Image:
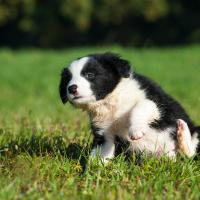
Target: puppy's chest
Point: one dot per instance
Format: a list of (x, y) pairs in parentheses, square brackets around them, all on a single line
[(113, 123)]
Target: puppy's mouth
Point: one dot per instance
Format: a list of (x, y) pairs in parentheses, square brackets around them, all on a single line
[(79, 100), (75, 98)]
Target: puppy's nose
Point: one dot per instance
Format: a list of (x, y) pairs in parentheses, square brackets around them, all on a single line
[(72, 89)]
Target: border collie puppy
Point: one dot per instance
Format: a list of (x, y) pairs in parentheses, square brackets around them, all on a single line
[(123, 104)]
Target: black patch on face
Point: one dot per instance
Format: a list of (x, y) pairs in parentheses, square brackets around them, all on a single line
[(114, 62), (104, 72), (65, 78)]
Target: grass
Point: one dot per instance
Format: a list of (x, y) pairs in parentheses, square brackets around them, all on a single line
[(44, 144)]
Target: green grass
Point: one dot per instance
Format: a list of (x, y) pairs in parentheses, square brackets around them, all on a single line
[(43, 144)]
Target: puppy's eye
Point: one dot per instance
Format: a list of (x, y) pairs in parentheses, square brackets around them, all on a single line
[(90, 75)]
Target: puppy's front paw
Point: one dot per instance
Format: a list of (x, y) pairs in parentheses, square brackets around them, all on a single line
[(136, 134), (98, 157), (95, 152)]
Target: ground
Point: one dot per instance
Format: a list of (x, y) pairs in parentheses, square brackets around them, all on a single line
[(44, 144)]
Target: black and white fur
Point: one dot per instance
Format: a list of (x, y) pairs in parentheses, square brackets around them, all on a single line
[(123, 104)]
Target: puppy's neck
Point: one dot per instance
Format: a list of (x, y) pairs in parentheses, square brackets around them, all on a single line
[(124, 97)]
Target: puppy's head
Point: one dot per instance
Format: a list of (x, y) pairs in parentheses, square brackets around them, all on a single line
[(91, 78)]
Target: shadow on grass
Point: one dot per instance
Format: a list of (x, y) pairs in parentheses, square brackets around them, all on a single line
[(41, 146), (57, 146)]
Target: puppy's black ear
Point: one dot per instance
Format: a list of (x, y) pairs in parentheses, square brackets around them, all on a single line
[(65, 78), (120, 65)]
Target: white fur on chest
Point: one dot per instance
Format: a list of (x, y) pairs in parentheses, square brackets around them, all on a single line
[(114, 111)]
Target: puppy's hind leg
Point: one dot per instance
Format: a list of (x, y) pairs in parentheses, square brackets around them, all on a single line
[(185, 140)]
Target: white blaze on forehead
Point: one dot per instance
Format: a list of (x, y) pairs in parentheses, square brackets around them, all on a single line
[(77, 66)]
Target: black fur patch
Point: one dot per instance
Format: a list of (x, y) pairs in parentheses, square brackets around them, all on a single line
[(98, 139), (108, 69), (115, 62), (169, 108)]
